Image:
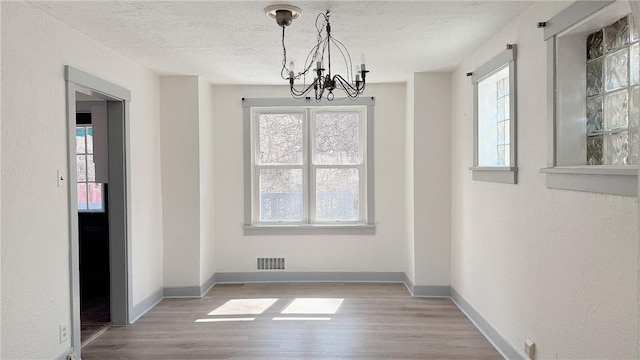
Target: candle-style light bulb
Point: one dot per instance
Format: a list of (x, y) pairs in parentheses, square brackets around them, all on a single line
[(357, 73), (291, 69), (362, 61)]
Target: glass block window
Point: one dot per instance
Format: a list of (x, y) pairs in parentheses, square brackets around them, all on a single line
[(89, 193), (494, 118), (612, 94), (309, 165)]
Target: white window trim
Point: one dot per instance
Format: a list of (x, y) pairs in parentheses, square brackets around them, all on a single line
[(502, 174), (364, 227), (606, 179)]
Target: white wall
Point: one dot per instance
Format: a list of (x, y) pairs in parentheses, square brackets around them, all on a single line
[(179, 119), (409, 213), (385, 251), (207, 199), (558, 266), (1, 252), (35, 230), (187, 180), (432, 178)]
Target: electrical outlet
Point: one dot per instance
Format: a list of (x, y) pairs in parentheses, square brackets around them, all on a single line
[(72, 356), (530, 348), (64, 332)]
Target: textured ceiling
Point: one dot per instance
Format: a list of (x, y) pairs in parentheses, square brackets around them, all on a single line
[(234, 42)]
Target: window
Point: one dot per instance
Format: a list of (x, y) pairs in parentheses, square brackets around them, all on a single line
[(494, 119), (612, 94), (592, 80), (308, 167), (89, 192)]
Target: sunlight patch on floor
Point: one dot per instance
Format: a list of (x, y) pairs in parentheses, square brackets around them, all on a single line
[(313, 306), (224, 320), (301, 318), (244, 307)]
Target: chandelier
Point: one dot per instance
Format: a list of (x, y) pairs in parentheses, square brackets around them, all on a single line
[(324, 82)]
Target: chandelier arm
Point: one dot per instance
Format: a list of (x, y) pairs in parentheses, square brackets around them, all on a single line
[(319, 92), (308, 63), (351, 91), (329, 38), (315, 50), (347, 58), (304, 91), (325, 20)]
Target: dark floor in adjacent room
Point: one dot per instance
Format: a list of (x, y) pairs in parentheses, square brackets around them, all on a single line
[(94, 315)]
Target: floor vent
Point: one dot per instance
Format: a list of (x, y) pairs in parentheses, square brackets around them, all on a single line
[(270, 263)]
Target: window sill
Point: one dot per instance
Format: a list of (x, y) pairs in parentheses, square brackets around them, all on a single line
[(501, 174), (604, 179), (319, 229)]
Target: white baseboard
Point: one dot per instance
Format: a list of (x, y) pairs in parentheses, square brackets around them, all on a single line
[(495, 338), (310, 276), (145, 305)]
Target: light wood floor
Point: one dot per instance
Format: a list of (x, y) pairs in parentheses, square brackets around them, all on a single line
[(374, 321)]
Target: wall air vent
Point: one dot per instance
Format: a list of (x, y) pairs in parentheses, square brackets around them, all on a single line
[(270, 264)]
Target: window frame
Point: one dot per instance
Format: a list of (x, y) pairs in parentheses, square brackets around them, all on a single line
[(606, 179), (255, 167), (361, 167), (86, 175), (365, 225), (501, 174)]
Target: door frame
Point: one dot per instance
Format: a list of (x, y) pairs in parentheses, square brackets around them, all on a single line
[(118, 99)]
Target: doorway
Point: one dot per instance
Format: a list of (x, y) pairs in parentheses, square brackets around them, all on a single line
[(100, 276), (93, 215)]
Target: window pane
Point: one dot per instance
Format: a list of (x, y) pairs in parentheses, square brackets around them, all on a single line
[(337, 194), (89, 140), (617, 73), (594, 45), (501, 133), (594, 115), (634, 107), (616, 112), (634, 142), (594, 78), (280, 138), (81, 167), (493, 120), (80, 144), (95, 196), (594, 150), (91, 169), (337, 138), (82, 196), (616, 35), (281, 195), (616, 148), (633, 65)]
